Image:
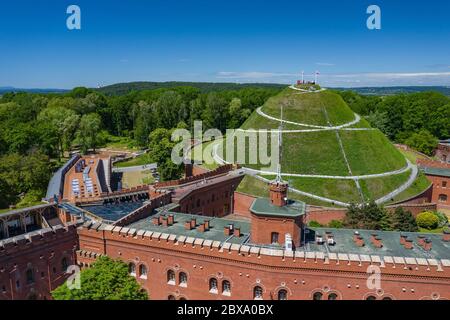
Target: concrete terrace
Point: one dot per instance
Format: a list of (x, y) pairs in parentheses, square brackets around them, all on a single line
[(391, 245), (215, 232)]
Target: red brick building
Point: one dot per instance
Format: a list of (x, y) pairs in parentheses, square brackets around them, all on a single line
[(181, 242), (439, 174), (443, 151), (272, 256)]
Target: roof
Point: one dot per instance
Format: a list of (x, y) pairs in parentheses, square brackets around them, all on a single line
[(114, 211), (25, 210), (263, 206), (215, 232), (443, 172), (56, 182), (390, 240)]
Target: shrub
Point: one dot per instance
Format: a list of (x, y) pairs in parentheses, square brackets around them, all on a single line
[(314, 224), (428, 220), (335, 224)]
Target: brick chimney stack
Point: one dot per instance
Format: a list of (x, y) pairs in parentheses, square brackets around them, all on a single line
[(278, 193), (358, 239), (170, 220), (376, 241)]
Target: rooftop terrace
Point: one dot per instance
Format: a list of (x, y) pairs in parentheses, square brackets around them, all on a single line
[(114, 211), (390, 241), (215, 231)]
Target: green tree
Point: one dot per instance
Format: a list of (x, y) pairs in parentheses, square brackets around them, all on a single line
[(65, 121), (423, 141), (403, 220), (107, 279), (90, 126), (427, 220), (161, 146), (367, 216)]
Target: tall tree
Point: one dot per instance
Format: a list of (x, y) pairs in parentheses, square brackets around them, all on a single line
[(90, 126), (107, 279)]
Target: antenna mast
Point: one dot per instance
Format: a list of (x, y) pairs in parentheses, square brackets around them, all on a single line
[(280, 142)]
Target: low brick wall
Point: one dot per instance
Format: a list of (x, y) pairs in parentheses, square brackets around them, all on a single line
[(324, 215), (414, 208)]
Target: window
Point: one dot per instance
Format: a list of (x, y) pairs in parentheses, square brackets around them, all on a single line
[(371, 298), (257, 293), (274, 237), (387, 298), (30, 276), (226, 287), (171, 277), (442, 198), (64, 265), (444, 184), (132, 269), (143, 271), (171, 297), (332, 296), (282, 294), (317, 296), (183, 279), (213, 285)]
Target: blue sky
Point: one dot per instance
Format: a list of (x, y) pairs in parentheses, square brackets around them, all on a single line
[(224, 41)]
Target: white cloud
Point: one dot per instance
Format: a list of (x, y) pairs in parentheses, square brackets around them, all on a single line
[(252, 75)]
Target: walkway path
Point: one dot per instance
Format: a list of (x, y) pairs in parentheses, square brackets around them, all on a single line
[(256, 173), (348, 124)]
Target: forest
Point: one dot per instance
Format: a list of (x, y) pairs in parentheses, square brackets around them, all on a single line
[(38, 130), (418, 120)]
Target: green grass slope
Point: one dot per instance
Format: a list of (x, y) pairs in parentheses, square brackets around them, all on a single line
[(319, 152)]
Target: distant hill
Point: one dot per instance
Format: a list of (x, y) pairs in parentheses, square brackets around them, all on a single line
[(205, 87), (384, 91), (4, 90)]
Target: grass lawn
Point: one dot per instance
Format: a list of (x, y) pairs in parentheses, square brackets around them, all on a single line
[(411, 155), (120, 143), (137, 178), (418, 186), (375, 188), (342, 190), (308, 108), (255, 187), (140, 160), (313, 153), (370, 152)]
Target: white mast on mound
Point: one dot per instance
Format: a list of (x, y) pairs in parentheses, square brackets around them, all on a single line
[(280, 141)]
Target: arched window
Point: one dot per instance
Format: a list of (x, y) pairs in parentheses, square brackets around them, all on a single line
[(143, 271), (226, 287), (182, 298), (371, 298), (442, 198), (274, 236), (171, 277), (171, 297), (132, 269), (213, 285), (387, 298), (282, 294), (183, 279), (332, 296), (317, 296), (30, 276), (64, 264), (257, 293)]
